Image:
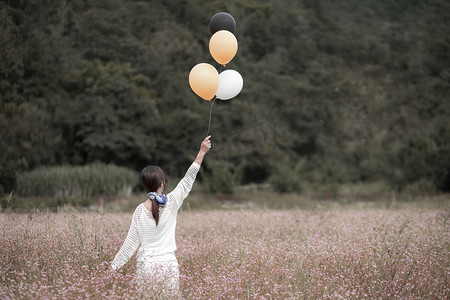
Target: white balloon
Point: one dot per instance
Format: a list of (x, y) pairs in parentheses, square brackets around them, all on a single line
[(230, 84)]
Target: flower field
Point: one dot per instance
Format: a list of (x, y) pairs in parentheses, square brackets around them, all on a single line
[(295, 254)]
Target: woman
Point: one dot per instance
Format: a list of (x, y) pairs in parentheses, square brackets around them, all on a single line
[(153, 227)]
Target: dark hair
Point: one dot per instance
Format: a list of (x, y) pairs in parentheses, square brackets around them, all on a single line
[(151, 178)]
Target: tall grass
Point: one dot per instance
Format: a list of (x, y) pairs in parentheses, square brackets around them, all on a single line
[(77, 181), (283, 254)]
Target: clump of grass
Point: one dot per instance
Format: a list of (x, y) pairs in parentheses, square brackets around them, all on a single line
[(77, 181)]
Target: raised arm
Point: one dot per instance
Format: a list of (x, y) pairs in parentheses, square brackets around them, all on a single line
[(183, 188)]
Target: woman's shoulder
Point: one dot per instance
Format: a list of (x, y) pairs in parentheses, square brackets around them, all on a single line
[(171, 200), (138, 210)]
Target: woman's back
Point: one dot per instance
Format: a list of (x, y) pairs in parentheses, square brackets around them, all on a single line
[(153, 227), (157, 242)]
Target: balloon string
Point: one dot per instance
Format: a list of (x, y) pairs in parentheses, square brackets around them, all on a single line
[(210, 113), (219, 69)]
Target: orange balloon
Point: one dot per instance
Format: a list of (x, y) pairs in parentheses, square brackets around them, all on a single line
[(204, 80), (223, 46)]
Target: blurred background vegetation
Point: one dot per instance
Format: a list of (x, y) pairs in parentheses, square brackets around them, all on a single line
[(336, 93)]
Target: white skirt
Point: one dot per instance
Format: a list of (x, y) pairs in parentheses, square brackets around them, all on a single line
[(159, 277)]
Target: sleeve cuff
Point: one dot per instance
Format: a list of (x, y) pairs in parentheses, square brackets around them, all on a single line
[(196, 165)]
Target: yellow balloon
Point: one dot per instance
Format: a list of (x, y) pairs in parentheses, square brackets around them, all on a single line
[(204, 80), (223, 46)]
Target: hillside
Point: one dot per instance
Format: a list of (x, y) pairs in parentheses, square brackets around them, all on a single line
[(347, 92)]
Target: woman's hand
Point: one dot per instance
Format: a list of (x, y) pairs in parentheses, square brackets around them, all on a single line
[(204, 148), (206, 145), (111, 272)]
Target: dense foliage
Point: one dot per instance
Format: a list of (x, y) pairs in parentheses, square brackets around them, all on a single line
[(334, 92)]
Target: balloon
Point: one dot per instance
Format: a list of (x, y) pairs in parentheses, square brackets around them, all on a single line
[(223, 46), (222, 21), (230, 85), (204, 80)]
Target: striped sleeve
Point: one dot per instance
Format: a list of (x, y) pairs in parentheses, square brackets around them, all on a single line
[(129, 246), (185, 185)]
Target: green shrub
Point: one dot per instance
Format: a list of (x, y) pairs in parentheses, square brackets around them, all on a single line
[(80, 182), (287, 178), (221, 178)]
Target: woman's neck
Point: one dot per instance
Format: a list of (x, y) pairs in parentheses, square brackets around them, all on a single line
[(148, 205)]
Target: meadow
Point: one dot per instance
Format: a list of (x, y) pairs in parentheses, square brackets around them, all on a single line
[(236, 254)]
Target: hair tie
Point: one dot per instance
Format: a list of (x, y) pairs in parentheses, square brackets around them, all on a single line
[(160, 198)]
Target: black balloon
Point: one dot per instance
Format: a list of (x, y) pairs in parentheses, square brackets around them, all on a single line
[(222, 21)]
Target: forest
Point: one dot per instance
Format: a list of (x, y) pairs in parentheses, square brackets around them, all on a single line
[(335, 92)]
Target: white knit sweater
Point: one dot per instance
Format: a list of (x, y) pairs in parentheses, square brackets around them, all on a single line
[(157, 243)]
